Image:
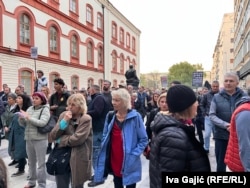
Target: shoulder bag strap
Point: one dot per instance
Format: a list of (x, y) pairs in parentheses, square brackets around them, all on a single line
[(41, 112)]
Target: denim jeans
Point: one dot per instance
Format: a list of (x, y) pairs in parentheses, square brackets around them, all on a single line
[(97, 140), (220, 152), (209, 126)]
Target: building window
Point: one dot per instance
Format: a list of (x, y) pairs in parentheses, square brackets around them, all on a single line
[(72, 5), (100, 56), (114, 31), (90, 82), (89, 14), (74, 46), (133, 44), (114, 62), (121, 36), (121, 64), (128, 40), (27, 80), (52, 77), (74, 82), (90, 52), (24, 29), (53, 39), (99, 21)]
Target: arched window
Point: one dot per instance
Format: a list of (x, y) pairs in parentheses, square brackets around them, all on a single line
[(121, 64), (100, 56), (114, 61), (90, 82), (74, 48), (114, 31), (99, 21), (25, 29), (74, 82), (100, 83), (89, 14), (53, 39), (90, 52), (52, 77), (27, 80), (73, 6)]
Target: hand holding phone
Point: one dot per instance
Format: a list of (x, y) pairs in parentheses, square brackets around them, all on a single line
[(20, 114)]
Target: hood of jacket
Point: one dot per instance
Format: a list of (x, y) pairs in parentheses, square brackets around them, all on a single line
[(245, 99), (161, 121)]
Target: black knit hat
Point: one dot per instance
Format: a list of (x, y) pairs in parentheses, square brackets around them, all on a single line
[(180, 97)]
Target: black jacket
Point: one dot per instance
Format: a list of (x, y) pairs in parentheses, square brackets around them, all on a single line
[(98, 109), (174, 148)]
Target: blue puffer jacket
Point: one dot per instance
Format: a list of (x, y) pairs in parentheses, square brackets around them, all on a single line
[(134, 142)]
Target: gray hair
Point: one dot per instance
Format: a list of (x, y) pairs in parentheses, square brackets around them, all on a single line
[(232, 74), (124, 95), (215, 82), (12, 95), (96, 88)]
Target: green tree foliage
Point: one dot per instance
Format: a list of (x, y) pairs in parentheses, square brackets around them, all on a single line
[(143, 80), (183, 72)]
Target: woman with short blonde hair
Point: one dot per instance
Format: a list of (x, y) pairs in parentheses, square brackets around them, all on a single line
[(74, 130)]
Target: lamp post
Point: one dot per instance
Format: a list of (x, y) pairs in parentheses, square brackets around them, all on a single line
[(103, 44)]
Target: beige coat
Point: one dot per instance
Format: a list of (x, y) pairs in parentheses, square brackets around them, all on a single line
[(79, 137)]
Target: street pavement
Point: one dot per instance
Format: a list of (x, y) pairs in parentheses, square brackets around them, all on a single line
[(20, 181)]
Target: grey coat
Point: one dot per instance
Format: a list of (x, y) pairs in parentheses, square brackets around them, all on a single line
[(31, 132)]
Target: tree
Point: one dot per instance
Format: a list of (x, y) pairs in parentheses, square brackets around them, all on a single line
[(183, 72)]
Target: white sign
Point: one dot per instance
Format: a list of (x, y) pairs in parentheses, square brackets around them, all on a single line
[(33, 52), (197, 79)]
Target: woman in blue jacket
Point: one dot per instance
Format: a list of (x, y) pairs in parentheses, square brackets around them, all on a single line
[(124, 139)]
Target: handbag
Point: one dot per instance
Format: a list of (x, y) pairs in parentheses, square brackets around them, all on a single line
[(58, 161), (49, 126)]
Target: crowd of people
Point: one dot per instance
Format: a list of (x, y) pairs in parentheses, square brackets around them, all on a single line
[(108, 129)]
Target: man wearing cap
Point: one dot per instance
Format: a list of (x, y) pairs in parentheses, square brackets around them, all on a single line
[(40, 81)]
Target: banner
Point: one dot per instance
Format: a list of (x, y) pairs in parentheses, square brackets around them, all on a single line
[(197, 79), (164, 81)]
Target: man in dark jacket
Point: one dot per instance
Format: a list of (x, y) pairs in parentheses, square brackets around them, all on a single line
[(205, 107), (57, 102), (107, 93), (97, 109), (221, 109)]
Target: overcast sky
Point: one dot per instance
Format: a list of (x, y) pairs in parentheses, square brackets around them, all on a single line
[(174, 31)]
